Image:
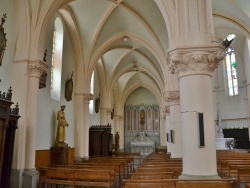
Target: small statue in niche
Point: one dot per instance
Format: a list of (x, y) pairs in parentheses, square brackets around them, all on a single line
[(97, 104), (69, 88), (45, 55), (112, 113)]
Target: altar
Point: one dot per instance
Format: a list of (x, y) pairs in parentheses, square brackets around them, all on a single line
[(143, 145)]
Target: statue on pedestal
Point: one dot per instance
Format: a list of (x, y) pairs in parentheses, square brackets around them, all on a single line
[(117, 138), (62, 123)]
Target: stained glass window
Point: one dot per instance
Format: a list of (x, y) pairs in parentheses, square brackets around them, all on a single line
[(232, 81)]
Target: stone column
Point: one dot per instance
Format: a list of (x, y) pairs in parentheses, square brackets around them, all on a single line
[(163, 127), (35, 70), (175, 124), (167, 110), (82, 125), (194, 67), (122, 131), (105, 115)]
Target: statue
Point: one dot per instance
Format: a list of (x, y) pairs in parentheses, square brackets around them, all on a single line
[(62, 123), (69, 88), (97, 104), (117, 137)]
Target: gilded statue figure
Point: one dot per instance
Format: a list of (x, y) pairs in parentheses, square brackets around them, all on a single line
[(62, 123)]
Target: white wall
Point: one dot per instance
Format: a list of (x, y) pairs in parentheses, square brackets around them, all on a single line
[(47, 107), (141, 96)]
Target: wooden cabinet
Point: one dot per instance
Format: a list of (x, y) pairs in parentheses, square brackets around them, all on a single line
[(8, 125), (100, 140)]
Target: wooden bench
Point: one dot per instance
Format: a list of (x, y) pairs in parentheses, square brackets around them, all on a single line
[(154, 183), (176, 183), (224, 164), (206, 183), (91, 177), (56, 176), (152, 175), (74, 177), (243, 175)]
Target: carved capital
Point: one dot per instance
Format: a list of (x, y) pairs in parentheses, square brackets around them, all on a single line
[(173, 97), (37, 68), (203, 59), (165, 110)]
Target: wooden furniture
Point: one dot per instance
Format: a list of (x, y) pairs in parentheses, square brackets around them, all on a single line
[(59, 155), (8, 125), (100, 140)]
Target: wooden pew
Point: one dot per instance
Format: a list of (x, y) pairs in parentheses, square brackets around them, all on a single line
[(56, 176), (177, 183), (206, 183), (154, 183), (74, 177), (243, 175), (94, 178), (152, 175), (223, 165)]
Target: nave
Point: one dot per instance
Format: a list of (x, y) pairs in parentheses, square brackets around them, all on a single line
[(157, 170)]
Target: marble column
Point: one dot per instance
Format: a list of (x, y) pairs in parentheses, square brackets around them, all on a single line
[(194, 67), (30, 174), (175, 124)]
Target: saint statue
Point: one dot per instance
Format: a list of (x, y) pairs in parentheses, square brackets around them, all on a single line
[(62, 123), (117, 138)]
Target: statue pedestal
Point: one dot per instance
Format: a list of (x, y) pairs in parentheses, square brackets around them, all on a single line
[(59, 155)]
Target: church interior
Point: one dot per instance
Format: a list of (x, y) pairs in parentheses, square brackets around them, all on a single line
[(136, 82)]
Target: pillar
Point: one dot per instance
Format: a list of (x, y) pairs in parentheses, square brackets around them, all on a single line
[(175, 124), (82, 125), (163, 127), (194, 67), (35, 70)]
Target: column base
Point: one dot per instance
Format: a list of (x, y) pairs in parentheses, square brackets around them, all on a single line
[(15, 178), (189, 176), (30, 178)]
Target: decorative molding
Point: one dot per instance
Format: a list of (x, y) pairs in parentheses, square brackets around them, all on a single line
[(203, 59), (37, 68), (173, 97), (165, 111)]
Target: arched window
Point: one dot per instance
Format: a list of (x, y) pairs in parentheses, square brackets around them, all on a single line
[(231, 72), (91, 102), (56, 64)]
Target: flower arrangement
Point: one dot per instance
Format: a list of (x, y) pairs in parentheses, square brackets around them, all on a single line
[(230, 143)]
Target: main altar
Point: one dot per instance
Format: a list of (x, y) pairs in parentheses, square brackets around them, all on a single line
[(142, 144)]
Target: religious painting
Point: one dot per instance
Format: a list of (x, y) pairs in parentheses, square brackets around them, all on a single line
[(69, 88), (2, 39)]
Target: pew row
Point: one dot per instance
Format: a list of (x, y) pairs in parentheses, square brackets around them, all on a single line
[(76, 177), (177, 183)]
